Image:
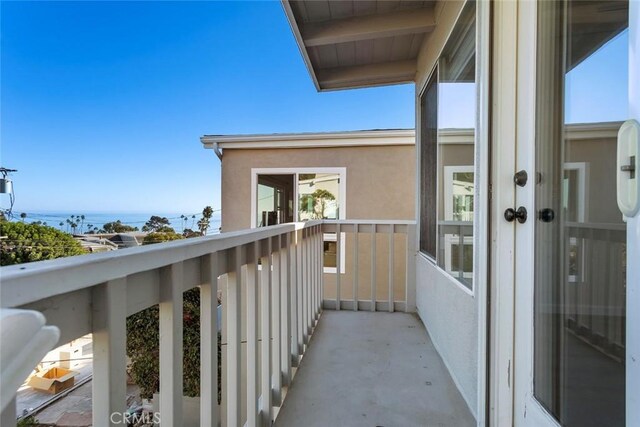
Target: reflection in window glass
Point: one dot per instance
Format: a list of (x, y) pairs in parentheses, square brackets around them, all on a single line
[(456, 134), (318, 196), (580, 251)]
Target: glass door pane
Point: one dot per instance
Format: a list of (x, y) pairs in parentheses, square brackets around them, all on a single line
[(580, 238)]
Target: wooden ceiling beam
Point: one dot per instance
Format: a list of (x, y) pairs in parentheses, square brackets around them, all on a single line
[(368, 27), (367, 75)]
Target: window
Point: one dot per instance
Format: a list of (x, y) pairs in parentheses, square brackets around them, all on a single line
[(319, 193), (447, 134), (428, 169)]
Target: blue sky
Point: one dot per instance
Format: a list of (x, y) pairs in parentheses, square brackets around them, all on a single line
[(103, 103)]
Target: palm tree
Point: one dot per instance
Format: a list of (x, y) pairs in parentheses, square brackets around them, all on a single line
[(81, 223), (61, 225), (23, 216), (193, 221)]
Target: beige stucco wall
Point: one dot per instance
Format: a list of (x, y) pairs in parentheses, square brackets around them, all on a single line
[(380, 180)]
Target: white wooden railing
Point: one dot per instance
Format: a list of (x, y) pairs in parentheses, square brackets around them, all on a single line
[(373, 229), (272, 280)]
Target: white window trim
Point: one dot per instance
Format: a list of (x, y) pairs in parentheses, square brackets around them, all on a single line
[(448, 185), (342, 200)]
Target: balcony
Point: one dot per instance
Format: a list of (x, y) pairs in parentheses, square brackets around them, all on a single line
[(334, 354)]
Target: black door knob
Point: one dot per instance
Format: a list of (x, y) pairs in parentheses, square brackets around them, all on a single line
[(520, 178), (520, 214), (546, 215)]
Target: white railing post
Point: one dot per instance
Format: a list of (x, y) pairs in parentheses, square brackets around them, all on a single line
[(171, 278), (234, 337), (338, 265), (293, 272), (253, 411), (285, 305), (410, 274), (321, 286), (276, 322), (373, 267), (265, 326), (315, 256), (355, 267), (300, 289), (109, 387), (391, 266), (305, 284), (319, 268), (209, 413)]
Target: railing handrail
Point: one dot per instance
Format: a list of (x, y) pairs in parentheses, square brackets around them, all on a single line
[(368, 222), (22, 284)]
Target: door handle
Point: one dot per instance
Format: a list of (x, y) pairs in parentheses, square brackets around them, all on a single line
[(546, 215), (521, 215), (628, 167)]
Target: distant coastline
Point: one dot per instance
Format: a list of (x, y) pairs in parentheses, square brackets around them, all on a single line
[(98, 219)]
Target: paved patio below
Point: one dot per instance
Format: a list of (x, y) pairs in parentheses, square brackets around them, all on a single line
[(372, 369)]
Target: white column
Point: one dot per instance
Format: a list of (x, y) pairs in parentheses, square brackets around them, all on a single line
[(209, 414), (355, 267), (109, 387), (171, 286)]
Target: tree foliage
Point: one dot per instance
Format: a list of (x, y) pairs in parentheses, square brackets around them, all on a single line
[(117, 227), (158, 224), (203, 223), (34, 242), (316, 203), (160, 237)]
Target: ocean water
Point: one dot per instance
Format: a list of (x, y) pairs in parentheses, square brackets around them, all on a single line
[(98, 219)]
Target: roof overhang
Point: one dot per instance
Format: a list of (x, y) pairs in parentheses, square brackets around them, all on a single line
[(354, 43), (366, 138)]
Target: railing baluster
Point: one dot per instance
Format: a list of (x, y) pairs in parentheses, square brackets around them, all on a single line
[(373, 267), (338, 265), (234, 337), (307, 286), (314, 282), (171, 287), (300, 287), (391, 266), (276, 348), (209, 414), (253, 411), (293, 271), (320, 269), (410, 271), (109, 386), (321, 273), (355, 267), (265, 326), (285, 305)]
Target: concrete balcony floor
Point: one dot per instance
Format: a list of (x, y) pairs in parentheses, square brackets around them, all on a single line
[(372, 369)]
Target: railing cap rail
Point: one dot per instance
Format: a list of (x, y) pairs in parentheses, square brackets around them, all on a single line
[(26, 283)]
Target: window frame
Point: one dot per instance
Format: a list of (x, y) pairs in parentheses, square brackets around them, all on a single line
[(342, 201)]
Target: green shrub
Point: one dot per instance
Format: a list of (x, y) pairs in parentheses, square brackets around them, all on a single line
[(22, 243), (159, 237)]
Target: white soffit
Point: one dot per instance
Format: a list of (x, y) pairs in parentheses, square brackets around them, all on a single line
[(357, 43)]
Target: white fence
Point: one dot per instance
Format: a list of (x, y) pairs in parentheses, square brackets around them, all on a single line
[(272, 279)]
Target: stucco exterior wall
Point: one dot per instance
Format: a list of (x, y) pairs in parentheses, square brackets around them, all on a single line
[(380, 180)]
